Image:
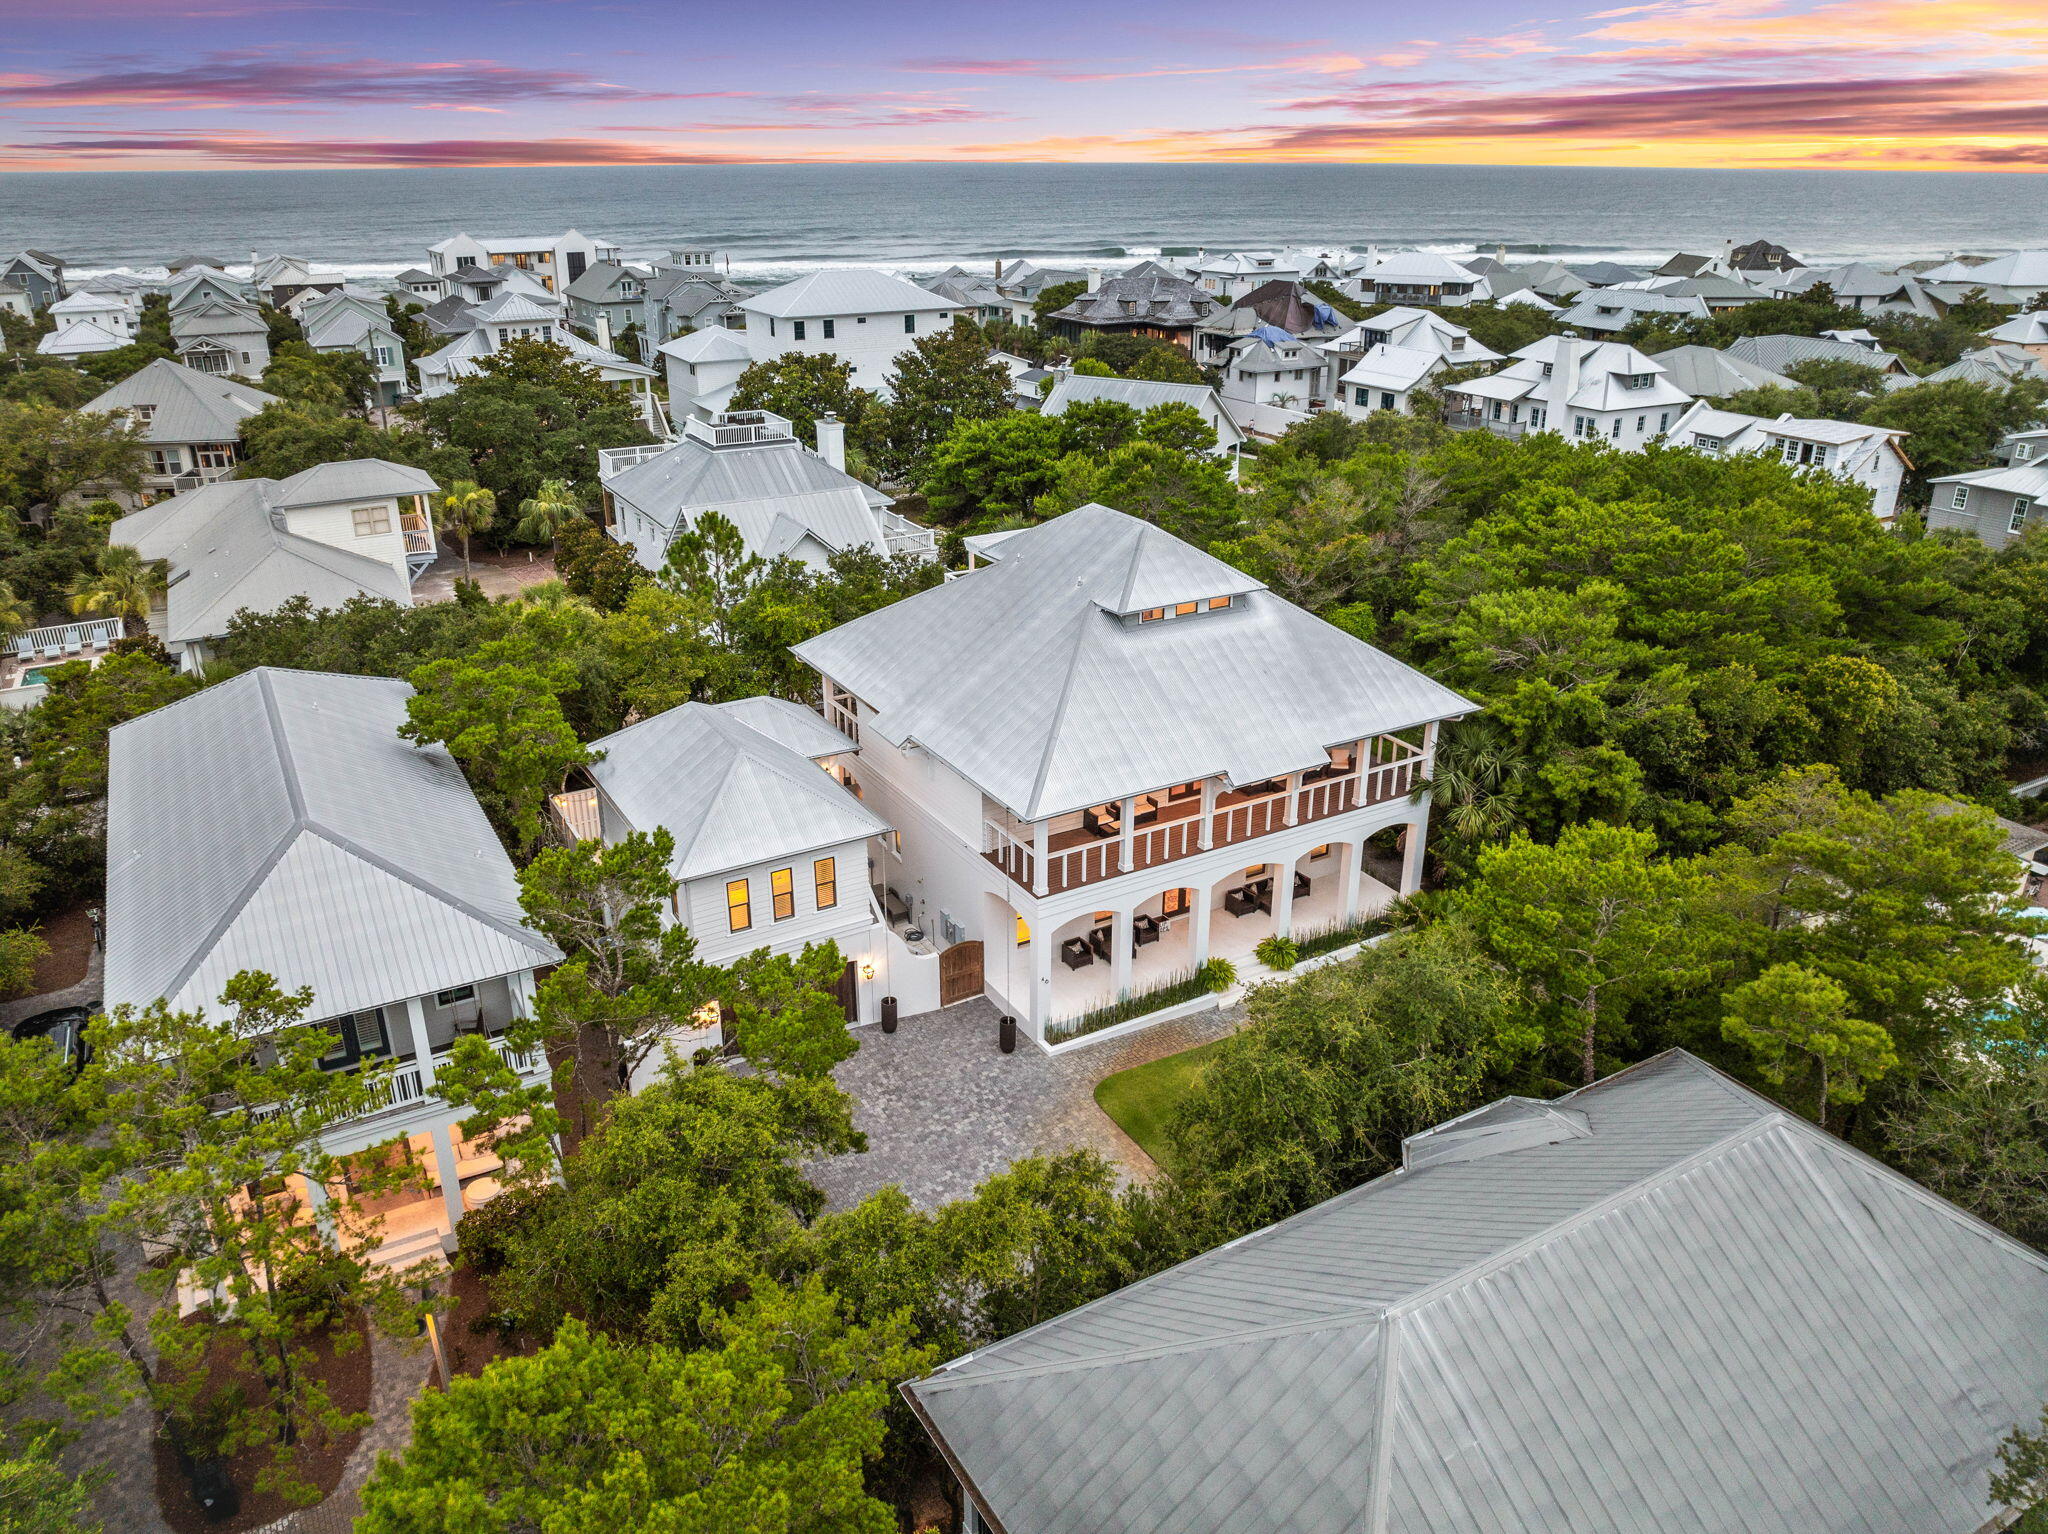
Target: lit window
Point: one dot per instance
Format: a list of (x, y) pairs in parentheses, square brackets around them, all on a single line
[(739, 908), (1152, 615), (1023, 932), (782, 887), (1173, 902), (825, 874), (1216, 602), (1182, 609), (371, 520)]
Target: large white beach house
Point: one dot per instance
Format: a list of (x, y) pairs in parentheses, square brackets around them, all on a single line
[(1109, 757), (866, 318)]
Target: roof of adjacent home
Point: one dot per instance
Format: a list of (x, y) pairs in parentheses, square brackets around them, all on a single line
[(1026, 679), (849, 290), (214, 318), (185, 405), (278, 821), (1398, 368), (692, 476), (1659, 1302), (1147, 294), (714, 343), (1141, 394), (1709, 374), (730, 792), (229, 548), (1412, 266), (1779, 352), (2023, 268)]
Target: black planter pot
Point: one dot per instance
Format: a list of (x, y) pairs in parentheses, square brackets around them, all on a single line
[(1007, 1034), (213, 1491), (888, 1014)]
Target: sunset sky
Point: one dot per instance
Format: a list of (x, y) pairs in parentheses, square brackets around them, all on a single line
[(158, 84)]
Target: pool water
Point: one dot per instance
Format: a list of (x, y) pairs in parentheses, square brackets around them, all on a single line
[(31, 677)]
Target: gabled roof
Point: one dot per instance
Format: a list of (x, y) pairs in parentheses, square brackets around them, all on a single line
[(186, 405), (1604, 274), (2029, 329), (1780, 352), (79, 338), (729, 794), (414, 274), (850, 290), (2029, 479), (672, 487), (1141, 394), (1397, 368), (714, 343), (1418, 266), (1708, 374), (213, 318), (1025, 680), (1993, 366), (2021, 269), (279, 822), (354, 479), (1657, 1303)]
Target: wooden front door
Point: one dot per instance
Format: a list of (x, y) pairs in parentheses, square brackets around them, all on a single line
[(847, 990), (959, 973)]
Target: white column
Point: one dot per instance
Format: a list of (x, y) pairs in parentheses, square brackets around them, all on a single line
[(1347, 881), (1412, 842), (1120, 951), (1283, 898), (1198, 928), (1040, 998), (1429, 749), (445, 1169), (1208, 833), (1123, 841), (1291, 811), (1041, 839), (416, 1020), (522, 989)]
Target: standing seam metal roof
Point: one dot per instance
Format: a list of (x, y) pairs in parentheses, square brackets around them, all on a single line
[(1023, 678), (278, 821), (1698, 1316), (187, 405)]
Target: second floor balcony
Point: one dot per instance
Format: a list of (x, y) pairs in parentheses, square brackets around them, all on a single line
[(1103, 842)]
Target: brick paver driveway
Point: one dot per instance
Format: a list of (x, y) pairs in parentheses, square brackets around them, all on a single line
[(943, 1108)]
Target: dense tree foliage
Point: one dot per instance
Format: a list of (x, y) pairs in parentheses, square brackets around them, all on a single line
[(800, 387)]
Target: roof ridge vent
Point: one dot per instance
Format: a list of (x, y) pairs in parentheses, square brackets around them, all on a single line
[(1512, 1124)]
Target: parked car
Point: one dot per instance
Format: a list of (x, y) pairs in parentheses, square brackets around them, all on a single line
[(64, 1027)]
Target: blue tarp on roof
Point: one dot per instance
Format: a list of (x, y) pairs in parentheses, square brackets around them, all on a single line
[(1324, 316), (1273, 335)]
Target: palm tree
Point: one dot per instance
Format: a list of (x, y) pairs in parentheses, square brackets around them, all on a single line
[(1478, 778), (15, 616), (467, 509), (124, 585), (544, 514)]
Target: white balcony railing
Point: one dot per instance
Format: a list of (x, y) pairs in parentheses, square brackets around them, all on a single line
[(66, 641), (739, 428)]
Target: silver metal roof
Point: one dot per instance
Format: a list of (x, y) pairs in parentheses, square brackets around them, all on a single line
[(801, 729), (229, 550), (731, 795), (279, 822), (1709, 374), (1022, 677), (1659, 1303), (673, 486), (848, 290), (186, 405), (354, 479)]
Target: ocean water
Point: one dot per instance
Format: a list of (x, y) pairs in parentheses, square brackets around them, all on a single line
[(773, 221)]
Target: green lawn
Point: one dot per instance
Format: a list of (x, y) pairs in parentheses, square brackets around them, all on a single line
[(1141, 1098)]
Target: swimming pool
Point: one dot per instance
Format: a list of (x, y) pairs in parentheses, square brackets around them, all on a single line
[(31, 677)]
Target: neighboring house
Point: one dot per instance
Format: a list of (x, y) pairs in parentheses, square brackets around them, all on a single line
[(280, 279), (192, 422), (1720, 293), (89, 323), (1592, 390), (1863, 288), (279, 822), (353, 321), (1706, 373), (15, 300), (212, 336), (198, 285), (1682, 265), (36, 273), (1232, 276), (703, 368), (554, 260), (1995, 504), (1760, 256), (1419, 277), (1412, 330), (1995, 367), (1141, 395), (772, 848), (977, 296), (329, 533), (1610, 311), (422, 285), (865, 318), (1109, 757), (1280, 305), (182, 264), (1777, 353), (1386, 378), (514, 316), (1271, 367), (678, 302), (1660, 1302), (749, 467), (1546, 285), (1148, 300), (2029, 446), (606, 300), (2019, 278), (1606, 274), (1870, 456), (2027, 331), (1021, 282)]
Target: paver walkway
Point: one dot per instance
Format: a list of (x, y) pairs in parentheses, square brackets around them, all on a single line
[(500, 574), (84, 994), (943, 1108)]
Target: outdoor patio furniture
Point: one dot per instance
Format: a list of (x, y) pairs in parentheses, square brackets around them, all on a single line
[(897, 907), (1099, 941), (1076, 954), (1098, 824), (1301, 886), (1144, 929), (1249, 898)]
